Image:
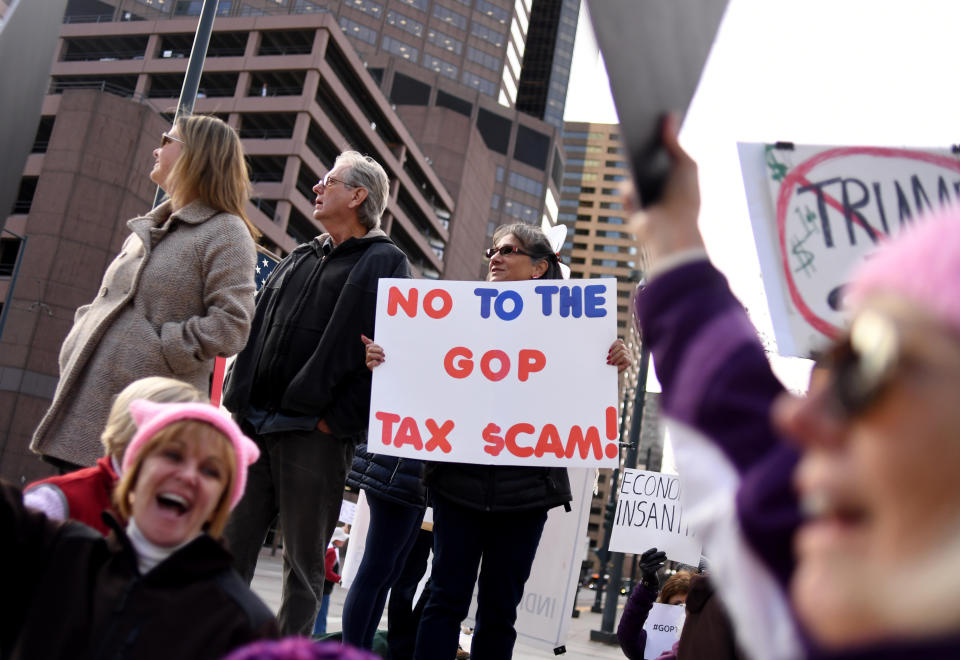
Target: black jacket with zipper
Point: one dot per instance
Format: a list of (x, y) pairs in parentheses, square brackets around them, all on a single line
[(304, 357), (499, 487)]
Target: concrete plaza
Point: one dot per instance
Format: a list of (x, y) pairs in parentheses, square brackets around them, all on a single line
[(268, 577)]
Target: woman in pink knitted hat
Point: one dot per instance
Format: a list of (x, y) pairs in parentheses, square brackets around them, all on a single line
[(161, 585)]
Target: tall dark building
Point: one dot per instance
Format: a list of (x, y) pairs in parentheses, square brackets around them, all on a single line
[(547, 59)]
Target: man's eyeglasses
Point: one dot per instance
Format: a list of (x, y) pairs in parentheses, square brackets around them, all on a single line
[(863, 364), (166, 138), (504, 250), (327, 180)]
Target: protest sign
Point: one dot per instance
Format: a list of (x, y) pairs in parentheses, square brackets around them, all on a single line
[(506, 373), (649, 514), (358, 541), (348, 510), (663, 627), (818, 212)]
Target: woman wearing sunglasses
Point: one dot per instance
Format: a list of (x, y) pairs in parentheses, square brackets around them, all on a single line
[(840, 509), (179, 294), (489, 518)]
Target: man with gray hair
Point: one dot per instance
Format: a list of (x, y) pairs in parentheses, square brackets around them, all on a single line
[(300, 387)]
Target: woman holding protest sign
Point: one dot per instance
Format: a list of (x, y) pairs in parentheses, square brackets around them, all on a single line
[(813, 505), (179, 294), (489, 518)]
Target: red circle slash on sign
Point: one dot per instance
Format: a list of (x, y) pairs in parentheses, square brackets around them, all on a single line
[(798, 176)]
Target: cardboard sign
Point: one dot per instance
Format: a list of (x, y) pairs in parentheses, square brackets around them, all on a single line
[(649, 514), (818, 212), (663, 626), (510, 373)]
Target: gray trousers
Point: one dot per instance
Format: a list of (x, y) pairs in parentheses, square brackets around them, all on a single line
[(300, 475)]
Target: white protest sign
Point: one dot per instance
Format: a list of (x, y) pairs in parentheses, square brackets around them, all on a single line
[(357, 544), (663, 627), (506, 373), (348, 510), (544, 613), (649, 514), (818, 212)]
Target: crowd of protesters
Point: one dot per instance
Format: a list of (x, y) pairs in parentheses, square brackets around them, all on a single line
[(810, 508)]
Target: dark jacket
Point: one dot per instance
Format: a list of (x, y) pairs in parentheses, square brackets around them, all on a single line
[(305, 358), (717, 380), (396, 479), (68, 592), (499, 487)]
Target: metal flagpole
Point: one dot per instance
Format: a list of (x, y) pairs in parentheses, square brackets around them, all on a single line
[(191, 81)]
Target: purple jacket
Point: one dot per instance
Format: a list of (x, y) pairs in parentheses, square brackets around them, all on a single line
[(737, 471), (630, 632)]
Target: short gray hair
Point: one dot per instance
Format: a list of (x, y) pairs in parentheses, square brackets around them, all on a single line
[(368, 174)]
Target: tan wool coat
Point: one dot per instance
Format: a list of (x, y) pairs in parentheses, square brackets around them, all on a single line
[(179, 294)]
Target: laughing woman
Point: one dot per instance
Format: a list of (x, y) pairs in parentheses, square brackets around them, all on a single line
[(161, 585), (179, 294)]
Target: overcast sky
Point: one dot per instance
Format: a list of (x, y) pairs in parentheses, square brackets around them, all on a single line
[(832, 72)]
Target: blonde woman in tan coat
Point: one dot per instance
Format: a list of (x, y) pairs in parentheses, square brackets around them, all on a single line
[(179, 294)]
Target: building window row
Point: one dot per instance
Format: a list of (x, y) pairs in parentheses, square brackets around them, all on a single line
[(441, 66), (581, 162), (419, 4), (488, 34), (525, 184), (361, 32), (582, 135), (444, 41), (193, 7), (366, 6), (498, 14), (583, 148), (521, 211), (397, 47), (405, 23), (483, 59), (480, 83), (449, 16)]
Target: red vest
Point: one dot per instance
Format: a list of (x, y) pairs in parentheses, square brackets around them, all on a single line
[(87, 493)]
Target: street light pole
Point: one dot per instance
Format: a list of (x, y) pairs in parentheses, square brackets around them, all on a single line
[(606, 634), (603, 553), (191, 81)]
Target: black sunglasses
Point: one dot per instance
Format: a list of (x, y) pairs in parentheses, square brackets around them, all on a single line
[(504, 250), (862, 365)]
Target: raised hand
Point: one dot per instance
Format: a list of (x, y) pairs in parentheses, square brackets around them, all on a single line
[(650, 563)]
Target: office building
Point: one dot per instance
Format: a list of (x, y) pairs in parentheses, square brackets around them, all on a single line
[(599, 245), (297, 94)]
